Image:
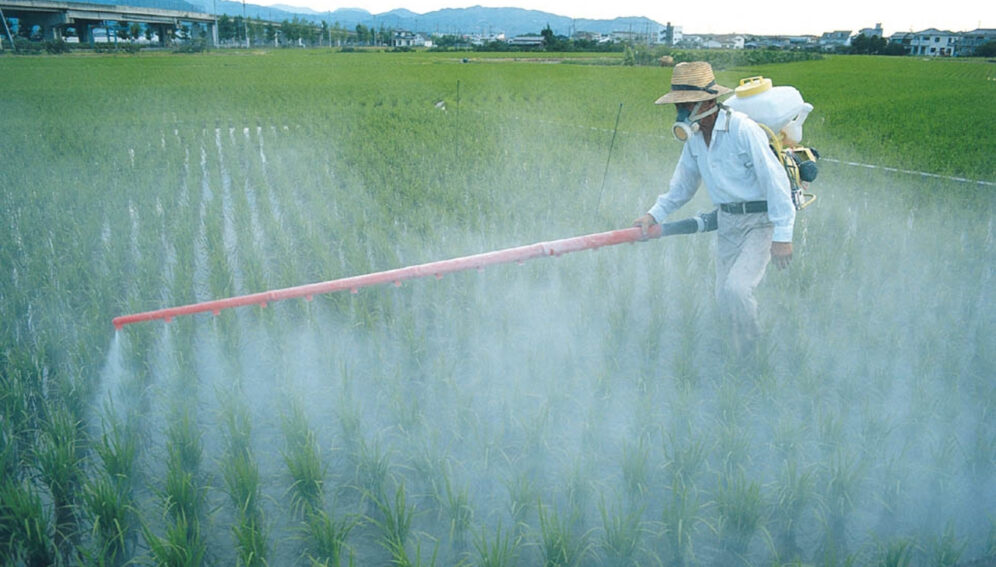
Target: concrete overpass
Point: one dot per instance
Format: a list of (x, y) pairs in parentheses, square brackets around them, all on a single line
[(54, 17)]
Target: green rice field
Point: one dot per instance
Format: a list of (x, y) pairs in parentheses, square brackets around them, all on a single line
[(573, 411)]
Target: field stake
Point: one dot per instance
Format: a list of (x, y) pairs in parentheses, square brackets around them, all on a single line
[(396, 276)]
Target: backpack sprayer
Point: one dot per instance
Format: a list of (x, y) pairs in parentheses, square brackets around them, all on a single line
[(781, 112), (776, 109)]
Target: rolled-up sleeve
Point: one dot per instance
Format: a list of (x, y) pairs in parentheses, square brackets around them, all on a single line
[(773, 181), (684, 183)]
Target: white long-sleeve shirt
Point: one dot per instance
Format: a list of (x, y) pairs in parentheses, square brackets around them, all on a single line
[(737, 166)]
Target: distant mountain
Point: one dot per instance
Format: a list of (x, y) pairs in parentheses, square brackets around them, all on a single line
[(477, 19), (510, 21), (180, 5), (295, 9)]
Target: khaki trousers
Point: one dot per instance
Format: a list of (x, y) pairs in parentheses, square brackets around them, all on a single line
[(743, 253)]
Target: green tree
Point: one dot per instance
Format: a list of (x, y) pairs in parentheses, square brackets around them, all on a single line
[(226, 28), (549, 40), (864, 45), (987, 49), (894, 49), (385, 35)]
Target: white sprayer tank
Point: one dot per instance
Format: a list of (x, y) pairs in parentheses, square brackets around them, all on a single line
[(779, 108)]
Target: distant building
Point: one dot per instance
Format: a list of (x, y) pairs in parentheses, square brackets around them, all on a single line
[(780, 42), (724, 42), (902, 38), (402, 38), (592, 36), (831, 41), (629, 37), (969, 41), (527, 41), (871, 32), (934, 43), (669, 35)]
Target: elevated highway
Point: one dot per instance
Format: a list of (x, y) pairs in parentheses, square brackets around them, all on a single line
[(53, 18)]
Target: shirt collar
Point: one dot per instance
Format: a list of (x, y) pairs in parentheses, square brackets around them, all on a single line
[(722, 125)]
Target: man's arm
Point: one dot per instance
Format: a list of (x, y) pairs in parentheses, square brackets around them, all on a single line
[(684, 183)]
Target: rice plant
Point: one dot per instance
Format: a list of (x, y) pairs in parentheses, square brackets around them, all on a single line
[(183, 499), (680, 518), (561, 544), (183, 544), (307, 471), (394, 520), (184, 449), (897, 553), (118, 450), (741, 512), (793, 494), (111, 512), (522, 492), (841, 479), (684, 459), (456, 508), (635, 469), (325, 538), (372, 468), (501, 550), (947, 549), (621, 536), (25, 526), (59, 459), (251, 540)]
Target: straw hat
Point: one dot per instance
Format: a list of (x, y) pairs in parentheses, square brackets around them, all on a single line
[(693, 82)]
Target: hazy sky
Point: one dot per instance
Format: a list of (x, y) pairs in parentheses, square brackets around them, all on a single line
[(724, 16)]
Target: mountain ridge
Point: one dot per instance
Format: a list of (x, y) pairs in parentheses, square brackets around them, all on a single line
[(473, 20)]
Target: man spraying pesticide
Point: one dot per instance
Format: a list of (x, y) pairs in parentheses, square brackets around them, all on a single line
[(732, 154), (727, 150)]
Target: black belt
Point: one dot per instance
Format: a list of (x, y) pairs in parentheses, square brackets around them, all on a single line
[(745, 207)]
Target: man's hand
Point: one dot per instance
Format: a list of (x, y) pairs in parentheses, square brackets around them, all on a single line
[(781, 254), (645, 222)]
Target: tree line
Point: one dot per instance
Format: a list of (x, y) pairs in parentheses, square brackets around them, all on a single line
[(235, 30)]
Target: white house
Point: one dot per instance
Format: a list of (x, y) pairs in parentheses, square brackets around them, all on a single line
[(934, 43), (409, 39)]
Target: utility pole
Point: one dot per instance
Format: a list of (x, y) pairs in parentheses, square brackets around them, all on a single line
[(9, 35), (245, 23)]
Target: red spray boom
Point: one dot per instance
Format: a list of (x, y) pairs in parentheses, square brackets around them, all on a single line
[(701, 223)]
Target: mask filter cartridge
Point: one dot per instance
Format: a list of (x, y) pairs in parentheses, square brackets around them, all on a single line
[(687, 122)]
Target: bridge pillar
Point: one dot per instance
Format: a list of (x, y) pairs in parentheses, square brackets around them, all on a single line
[(84, 30), (164, 33)]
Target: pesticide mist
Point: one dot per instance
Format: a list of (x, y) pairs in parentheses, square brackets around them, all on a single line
[(580, 410)]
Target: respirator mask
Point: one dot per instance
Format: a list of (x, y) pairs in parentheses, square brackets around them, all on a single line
[(687, 122)]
